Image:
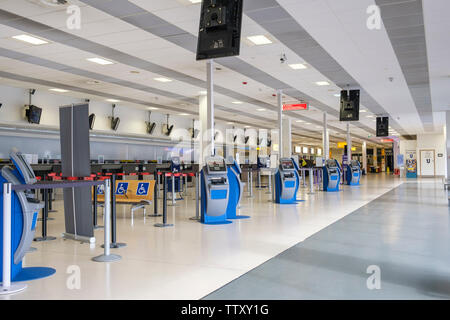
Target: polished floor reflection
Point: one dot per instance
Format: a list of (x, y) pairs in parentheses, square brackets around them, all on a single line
[(191, 260)]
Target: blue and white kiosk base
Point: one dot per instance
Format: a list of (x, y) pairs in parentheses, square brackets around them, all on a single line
[(331, 176), (287, 182), (236, 190), (353, 173), (215, 191), (23, 217)]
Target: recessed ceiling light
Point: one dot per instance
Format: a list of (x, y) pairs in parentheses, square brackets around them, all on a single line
[(59, 90), (183, 114), (195, 1), (101, 61), (299, 121), (322, 83), (247, 127), (297, 66), (259, 40), (230, 122), (362, 110), (237, 102), (308, 123), (112, 100), (202, 93), (29, 39), (153, 108), (369, 116), (261, 109), (337, 95), (163, 79)]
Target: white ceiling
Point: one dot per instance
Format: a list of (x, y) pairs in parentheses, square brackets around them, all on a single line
[(337, 26)]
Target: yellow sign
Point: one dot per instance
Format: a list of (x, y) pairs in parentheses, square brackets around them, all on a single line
[(341, 145), (353, 148)]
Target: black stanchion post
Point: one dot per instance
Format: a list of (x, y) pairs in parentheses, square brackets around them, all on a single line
[(155, 197), (164, 224), (44, 219)]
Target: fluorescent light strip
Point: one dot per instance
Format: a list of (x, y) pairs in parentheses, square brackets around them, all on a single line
[(297, 66), (29, 39), (163, 79), (100, 61), (59, 90), (112, 100), (322, 83), (259, 40)]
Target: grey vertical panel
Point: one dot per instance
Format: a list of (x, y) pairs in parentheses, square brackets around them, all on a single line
[(75, 162)]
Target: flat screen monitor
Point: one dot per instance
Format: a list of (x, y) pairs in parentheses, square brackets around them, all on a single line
[(287, 164), (33, 114), (216, 165)]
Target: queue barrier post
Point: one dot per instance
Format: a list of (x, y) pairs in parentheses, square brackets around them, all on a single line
[(44, 219), (197, 206), (107, 256), (114, 244), (155, 198), (164, 224)]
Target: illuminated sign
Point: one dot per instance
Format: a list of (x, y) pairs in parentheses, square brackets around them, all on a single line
[(297, 106)]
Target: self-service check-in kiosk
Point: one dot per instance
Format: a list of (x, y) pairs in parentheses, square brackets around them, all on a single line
[(24, 214), (236, 189), (353, 173), (331, 176), (215, 191), (287, 182)]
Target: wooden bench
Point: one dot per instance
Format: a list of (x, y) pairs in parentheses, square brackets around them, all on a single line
[(138, 193)]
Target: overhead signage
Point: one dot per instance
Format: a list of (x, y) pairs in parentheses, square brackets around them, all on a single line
[(297, 106)]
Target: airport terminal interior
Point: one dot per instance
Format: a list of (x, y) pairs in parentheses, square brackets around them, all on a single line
[(224, 149)]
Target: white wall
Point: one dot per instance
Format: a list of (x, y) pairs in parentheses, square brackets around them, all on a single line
[(436, 142)]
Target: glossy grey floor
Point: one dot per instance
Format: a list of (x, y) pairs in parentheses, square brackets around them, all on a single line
[(404, 233)]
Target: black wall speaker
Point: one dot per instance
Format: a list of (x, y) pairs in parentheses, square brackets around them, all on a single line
[(220, 29), (349, 105), (382, 126)]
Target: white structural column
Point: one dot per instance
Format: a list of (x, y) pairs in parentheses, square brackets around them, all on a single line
[(325, 138), (349, 144), (447, 141), (396, 152), (280, 122), (375, 158), (203, 113), (286, 148), (210, 110), (364, 156)]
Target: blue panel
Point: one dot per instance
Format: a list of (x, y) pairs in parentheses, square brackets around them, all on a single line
[(333, 178), (289, 184), (33, 224), (218, 194)]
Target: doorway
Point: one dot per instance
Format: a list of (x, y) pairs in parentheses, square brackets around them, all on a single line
[(427, 163)]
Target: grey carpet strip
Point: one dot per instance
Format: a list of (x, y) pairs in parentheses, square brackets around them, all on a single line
[(277, 21), (404, 24), (140, 18)]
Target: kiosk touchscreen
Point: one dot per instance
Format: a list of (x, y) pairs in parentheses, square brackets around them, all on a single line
[(24, 212), (236, 189), (287, 182), (263, 162), (215, 191), (353, 173), (331, 176)]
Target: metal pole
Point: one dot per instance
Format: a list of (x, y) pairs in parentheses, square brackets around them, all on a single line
[(155, 198), (114, 243), (173, 189), (197, 209), (273, 189), (44, 219), (6, 287), (326, 152), (270, 183), (164, 224), (210, 103), (251, 183), (311, 182), (106, 256)]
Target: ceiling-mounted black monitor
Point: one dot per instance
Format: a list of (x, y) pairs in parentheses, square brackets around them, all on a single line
[(167, 130), (150, 127), (115, 123), (220, 29), (246, 139), (33, 114), (349, 105), (91, 121), (382, 126)]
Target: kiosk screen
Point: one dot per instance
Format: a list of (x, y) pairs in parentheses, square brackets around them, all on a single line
[(331, 163), (216, 166), (287, 165), (24, 167)]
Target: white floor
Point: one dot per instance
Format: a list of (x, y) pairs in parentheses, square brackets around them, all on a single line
[(189, 260)]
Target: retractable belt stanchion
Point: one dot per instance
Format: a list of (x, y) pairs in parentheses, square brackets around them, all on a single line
[(269, 190), (311, 181), (6, 287), (44, 220), (273, 189), (114, 244), (107, 256), (197, 209), (164, 224), (155, 198)]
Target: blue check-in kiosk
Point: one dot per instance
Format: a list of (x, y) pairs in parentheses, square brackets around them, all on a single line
[(236, 189), (24, 214), (331, 176), (215, 191), (353, 173), (287, 182)]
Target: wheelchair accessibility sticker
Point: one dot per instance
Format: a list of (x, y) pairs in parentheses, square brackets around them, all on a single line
[(142, 189), (101, 189), (122, 188)]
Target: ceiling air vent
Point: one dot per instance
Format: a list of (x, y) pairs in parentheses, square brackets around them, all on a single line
[(50, 3)]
